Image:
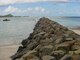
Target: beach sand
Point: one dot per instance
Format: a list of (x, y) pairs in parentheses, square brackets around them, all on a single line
[(9, 50), (77, 31)]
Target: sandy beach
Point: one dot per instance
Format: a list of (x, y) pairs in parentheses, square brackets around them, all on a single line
[(76, 31), (9, 50)]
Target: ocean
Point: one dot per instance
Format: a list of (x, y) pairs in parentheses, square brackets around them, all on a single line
[(19, 28)]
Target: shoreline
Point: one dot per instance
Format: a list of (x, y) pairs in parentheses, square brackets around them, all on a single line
[(6, 51), (76, 31), (9, 45)]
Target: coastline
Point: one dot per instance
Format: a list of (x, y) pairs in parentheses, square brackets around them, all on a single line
[(6, 51), (76, 31)]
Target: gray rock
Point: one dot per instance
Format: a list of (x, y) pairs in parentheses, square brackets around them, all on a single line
[(66, 57), (58, 54), (59, 40), (46, 50), (69, 39), (31, 55), (66, 45), (47, 57)]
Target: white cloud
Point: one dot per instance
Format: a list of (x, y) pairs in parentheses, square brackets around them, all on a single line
[(6, 2), (11, 9), (37, 10), (40, 9)]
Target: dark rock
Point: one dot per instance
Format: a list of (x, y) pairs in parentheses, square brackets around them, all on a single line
[(76, 45), (6, 20), (76, 57), (20, 49)]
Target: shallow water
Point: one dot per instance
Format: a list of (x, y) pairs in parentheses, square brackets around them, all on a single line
[(68, 22), (19, 28), (15, 30)]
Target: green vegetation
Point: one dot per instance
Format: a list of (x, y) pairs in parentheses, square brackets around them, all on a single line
[(8, 15)]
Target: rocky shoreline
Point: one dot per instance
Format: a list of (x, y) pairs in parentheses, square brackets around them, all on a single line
[(49, 41)]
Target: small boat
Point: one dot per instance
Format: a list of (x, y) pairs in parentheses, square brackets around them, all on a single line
[(6, 20)]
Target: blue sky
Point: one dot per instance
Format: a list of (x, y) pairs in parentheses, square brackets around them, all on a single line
[(40, 7)]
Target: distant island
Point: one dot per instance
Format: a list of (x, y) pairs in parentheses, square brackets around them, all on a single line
[(8, 15)]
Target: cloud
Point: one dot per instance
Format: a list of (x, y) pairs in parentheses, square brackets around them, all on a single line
[(11, 9), (6, 2), (33, 10), (37, 9)]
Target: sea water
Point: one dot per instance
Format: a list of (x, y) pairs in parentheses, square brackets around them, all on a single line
[(19, 28)]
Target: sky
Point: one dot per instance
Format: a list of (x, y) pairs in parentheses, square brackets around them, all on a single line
[(40, 7)]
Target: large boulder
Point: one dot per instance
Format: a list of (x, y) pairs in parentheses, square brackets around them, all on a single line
[(30, 55), (65, 45), (48, 40), (76, 57), (45, 50), (66, 57), (58, 54)]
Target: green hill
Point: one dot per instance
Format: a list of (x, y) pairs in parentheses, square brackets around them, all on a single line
[(8, 15)]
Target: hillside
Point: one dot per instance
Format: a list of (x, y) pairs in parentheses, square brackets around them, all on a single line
[(8, 15)]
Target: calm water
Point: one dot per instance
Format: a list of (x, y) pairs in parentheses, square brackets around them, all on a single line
[(19, 28)]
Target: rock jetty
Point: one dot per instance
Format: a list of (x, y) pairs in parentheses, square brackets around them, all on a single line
[(49, 41)]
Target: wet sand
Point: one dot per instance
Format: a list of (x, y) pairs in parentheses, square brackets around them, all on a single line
[(9, 50)]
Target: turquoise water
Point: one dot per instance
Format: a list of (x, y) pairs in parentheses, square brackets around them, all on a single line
[(68, 22), (19, 28)]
